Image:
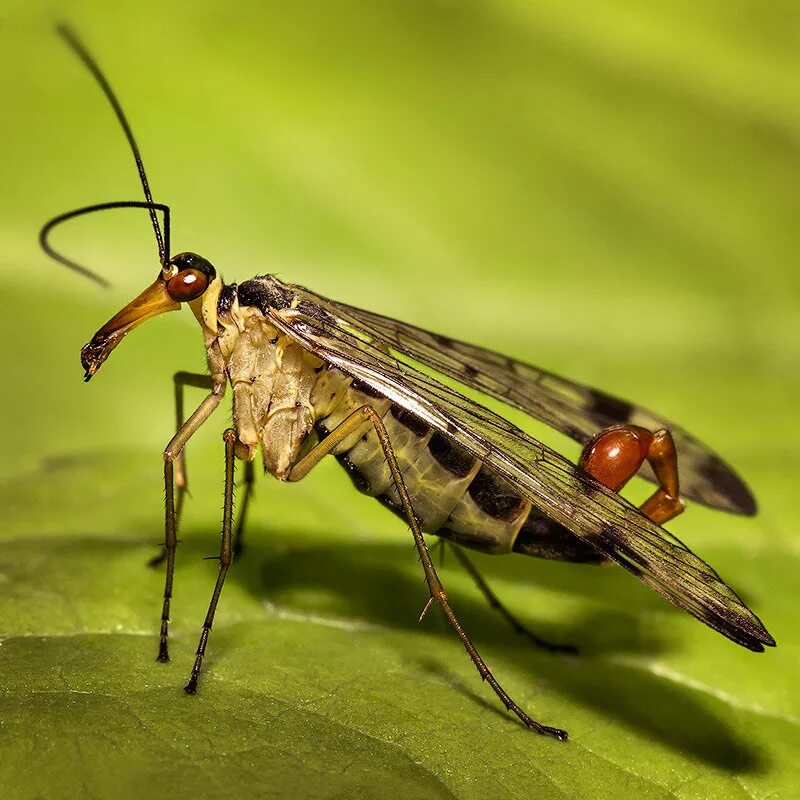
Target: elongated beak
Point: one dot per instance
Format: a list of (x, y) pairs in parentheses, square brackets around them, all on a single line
[(154, 300)]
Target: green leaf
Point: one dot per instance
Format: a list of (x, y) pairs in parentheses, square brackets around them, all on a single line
[(610, 194)]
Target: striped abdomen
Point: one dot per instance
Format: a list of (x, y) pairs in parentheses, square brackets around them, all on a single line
[(454, 495)]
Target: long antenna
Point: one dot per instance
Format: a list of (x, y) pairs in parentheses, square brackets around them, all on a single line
[(79, 212), (83, 54)]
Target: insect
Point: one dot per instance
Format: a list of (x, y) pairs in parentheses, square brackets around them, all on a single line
[(312, 377)]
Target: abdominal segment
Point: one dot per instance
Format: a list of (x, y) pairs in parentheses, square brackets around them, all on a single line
[(454, 494)]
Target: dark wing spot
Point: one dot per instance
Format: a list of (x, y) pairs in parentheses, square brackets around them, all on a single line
[(356, 475), (495, 497), (605, 408), (470, 371), (634, 570), (452, 457), (622, 548), (410, 421), (542, 537), (575, 433), (714, 470)]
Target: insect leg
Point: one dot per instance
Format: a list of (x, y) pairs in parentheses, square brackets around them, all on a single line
[(181, 380), (615, 455), (171, 453), (249, 482), (225, 558), (356, 420), (494, 602)]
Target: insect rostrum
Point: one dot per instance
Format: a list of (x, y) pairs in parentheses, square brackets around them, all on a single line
[(311, 377)]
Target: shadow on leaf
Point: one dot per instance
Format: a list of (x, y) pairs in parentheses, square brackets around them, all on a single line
[(367, 581), (381, 584)]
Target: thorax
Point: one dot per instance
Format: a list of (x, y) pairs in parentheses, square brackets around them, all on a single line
[(279, 388)]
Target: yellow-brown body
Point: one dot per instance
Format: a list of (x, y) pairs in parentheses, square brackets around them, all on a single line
[(285, 398)]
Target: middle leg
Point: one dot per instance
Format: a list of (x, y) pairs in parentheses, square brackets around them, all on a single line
[(171, 454), (225, 558), (495, 603)]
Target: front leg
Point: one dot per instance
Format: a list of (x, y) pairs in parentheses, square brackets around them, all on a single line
[(180, 381), (171, 454)]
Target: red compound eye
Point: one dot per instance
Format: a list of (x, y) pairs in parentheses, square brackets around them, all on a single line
[(187, 285)]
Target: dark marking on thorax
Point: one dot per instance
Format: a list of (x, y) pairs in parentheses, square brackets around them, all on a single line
[(263, 294), (226, 297)]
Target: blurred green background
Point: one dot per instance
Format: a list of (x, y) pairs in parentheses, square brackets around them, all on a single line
[(610, 194)]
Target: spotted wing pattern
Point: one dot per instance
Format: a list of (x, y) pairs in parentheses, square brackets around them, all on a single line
[(560, 489), (575, 409)]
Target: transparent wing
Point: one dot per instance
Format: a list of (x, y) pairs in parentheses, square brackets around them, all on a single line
[(575, 409), (560, 489)]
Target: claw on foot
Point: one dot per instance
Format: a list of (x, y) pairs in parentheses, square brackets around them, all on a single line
[(546, 730)]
